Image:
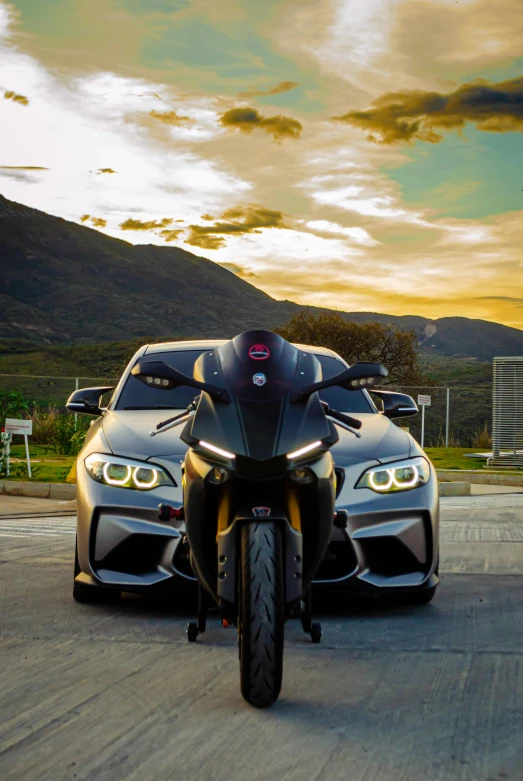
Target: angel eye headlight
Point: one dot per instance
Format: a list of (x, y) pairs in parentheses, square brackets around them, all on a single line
[(125, 473), (402, 476)]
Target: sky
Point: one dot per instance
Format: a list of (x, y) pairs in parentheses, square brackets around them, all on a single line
[(362, 156)]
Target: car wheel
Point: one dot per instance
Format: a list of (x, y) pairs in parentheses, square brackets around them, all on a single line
[(91, 595)]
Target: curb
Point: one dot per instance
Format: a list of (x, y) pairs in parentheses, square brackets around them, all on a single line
[(454, 489), (478, 478), (38, 490), (446, 477)]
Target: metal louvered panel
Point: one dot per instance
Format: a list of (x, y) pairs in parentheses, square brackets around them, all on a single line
[(507, 412)]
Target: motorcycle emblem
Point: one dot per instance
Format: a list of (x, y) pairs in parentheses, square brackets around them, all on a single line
[(261, 512), (259, 379), (259, 352)]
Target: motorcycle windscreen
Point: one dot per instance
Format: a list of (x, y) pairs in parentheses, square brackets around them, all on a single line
[(258, 366), (260, 370)]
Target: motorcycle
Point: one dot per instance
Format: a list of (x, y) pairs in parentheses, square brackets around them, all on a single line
[(259, 489)]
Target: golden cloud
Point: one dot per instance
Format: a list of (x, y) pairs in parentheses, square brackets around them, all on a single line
[(283, 86), (247, 119), (240, 271), (171, 118), (170, 235), (15, 97), (98, 222), (236, 221), (105, 171), (23, 168), (399, 117), (138, 225)]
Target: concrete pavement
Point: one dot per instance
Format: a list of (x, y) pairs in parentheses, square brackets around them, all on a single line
[(391, 694)]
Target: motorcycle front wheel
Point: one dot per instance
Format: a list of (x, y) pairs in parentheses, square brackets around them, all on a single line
[(262, 613)]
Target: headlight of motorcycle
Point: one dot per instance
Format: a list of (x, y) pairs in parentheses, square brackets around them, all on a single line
[(402, 476), (126, 473)]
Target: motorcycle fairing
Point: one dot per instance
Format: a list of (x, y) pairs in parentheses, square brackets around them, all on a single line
[(260, 422)]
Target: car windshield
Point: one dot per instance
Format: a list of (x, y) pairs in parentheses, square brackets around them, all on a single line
[(136, 395), (338, 398)]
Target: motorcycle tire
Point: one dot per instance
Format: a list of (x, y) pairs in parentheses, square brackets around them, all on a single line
[(262, 613)]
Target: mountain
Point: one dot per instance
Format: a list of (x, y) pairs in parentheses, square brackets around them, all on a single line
[(63, 283)]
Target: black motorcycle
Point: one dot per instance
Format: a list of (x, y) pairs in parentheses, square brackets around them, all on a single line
[(259, 489)]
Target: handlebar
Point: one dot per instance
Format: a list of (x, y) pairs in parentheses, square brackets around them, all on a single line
[(347, 419)]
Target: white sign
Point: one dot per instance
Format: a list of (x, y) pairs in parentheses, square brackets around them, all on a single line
[(424, 401), (24, 427)]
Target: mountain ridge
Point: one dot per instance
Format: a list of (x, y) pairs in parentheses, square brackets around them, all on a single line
[(64, 283)]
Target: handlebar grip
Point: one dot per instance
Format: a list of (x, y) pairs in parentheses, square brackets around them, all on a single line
[(171, 420), (352, 422)]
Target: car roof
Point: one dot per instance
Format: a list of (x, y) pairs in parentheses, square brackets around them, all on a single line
[(211, 344)]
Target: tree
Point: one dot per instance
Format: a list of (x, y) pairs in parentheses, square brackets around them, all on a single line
[(395, 349)]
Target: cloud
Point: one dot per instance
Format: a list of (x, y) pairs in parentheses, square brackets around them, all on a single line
[(401, 117), (15, 97), (23, 168), (104, 171), (517, 302), (283, 86), (237, 221), (170, 235), (240, 271), (98, 222), (138, 225), (248, 119), (171, 118)]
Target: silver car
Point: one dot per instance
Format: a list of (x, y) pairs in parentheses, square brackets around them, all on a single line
[(131, 535)]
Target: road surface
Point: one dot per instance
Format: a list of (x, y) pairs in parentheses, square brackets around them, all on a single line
[(392, 694)]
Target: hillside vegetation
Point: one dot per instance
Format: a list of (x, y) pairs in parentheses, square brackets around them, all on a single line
[(63, 283)]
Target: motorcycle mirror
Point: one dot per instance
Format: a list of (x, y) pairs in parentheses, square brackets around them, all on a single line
[(158, 374), (359, 375)]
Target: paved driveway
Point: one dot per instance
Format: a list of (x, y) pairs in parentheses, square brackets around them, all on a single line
[(404, 694)]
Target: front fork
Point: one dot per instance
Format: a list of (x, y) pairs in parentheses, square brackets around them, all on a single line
[(297, 604)]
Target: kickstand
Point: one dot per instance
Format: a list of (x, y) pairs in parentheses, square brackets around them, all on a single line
[(195, 628), (310, 627)]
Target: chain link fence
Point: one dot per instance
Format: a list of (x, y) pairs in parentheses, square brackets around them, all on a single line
[(46, 390), (459, 416)]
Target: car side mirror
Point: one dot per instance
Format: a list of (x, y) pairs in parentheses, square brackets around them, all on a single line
[(395, 405), (87, 400), (158, 374)]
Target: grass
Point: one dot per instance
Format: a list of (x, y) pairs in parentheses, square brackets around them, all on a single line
[(46, 466), (454, 458)]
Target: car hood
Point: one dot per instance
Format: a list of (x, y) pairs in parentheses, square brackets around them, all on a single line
[(128, 434), (380, 440)]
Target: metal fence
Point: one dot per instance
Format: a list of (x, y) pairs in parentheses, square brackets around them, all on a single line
[(507, 418), (459, 416)]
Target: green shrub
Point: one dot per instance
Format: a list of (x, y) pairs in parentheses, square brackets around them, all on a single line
[(13, 405)]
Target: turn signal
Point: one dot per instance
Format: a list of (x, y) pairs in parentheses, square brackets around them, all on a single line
[(218, 475), (302, 475)]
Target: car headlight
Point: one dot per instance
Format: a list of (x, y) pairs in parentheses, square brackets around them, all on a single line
[(401, 476), (126, 473)]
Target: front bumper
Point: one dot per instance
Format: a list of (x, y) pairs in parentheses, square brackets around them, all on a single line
[(391, 542)]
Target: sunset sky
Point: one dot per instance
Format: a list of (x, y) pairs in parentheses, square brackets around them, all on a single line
[(355, 154)]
